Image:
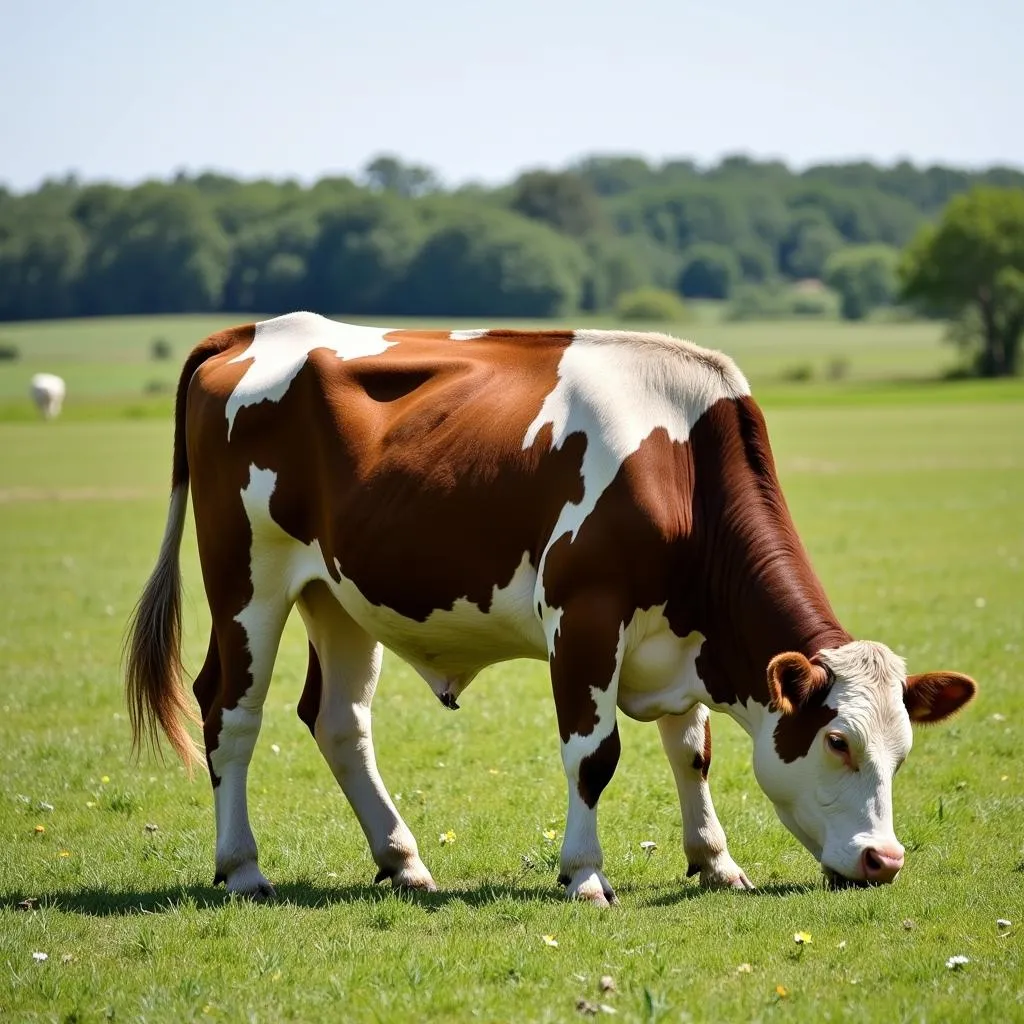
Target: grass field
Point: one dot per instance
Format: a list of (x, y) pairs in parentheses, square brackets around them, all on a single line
[(910, 497)]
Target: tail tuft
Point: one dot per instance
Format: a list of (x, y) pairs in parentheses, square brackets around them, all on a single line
[(153, 673)]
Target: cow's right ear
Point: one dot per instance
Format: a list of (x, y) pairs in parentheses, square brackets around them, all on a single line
[(791, 679)]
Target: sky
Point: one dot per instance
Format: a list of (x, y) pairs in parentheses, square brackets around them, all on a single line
[(124, 90)]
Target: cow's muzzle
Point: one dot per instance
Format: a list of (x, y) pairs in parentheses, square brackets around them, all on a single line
[(877, 866)]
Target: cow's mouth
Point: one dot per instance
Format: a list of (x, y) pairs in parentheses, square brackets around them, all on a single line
[(835, 881)]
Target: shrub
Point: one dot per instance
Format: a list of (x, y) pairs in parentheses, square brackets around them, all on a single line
[(818, 303), (799, 374), (756, 302), (837, 368), (864, 276), (160, 349), (710, 271), (775, 302), (9, 353), (651, 304)]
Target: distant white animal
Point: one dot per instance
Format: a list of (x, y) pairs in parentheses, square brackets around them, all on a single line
[(48, 393)]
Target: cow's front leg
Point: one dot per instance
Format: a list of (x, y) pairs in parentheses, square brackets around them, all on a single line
[(585, 676), (687, 742)]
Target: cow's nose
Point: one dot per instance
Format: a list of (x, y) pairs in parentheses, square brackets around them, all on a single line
[(881, 865)]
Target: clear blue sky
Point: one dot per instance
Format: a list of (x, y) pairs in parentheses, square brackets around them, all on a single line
[(125, 89)]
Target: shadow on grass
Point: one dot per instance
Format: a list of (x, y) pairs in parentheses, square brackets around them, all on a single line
[(104, 902), (680, 894)]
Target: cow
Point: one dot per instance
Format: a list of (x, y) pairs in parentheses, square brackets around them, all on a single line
[(47, 391), (605, 501)]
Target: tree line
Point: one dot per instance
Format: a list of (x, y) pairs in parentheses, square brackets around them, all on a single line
[(393, 241)]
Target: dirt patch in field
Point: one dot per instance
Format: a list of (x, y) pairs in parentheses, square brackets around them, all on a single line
[(9, 495)]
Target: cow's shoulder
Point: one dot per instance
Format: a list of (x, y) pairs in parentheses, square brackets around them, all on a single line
[(619, 387)]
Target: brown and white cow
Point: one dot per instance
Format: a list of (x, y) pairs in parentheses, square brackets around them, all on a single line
[(603, 500)]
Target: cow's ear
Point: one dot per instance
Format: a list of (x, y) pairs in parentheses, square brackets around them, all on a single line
[(934, 696), (791, 679)]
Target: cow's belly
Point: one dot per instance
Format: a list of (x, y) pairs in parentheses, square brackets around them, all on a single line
[(452, 645), (448, 648), (659, 673)]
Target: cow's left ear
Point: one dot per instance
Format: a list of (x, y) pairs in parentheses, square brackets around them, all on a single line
[(934, 696), (792, 677)]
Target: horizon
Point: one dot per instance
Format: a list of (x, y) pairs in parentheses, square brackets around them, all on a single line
[(481, 95), (355, 174)]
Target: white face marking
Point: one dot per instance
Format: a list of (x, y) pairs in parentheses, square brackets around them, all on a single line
[(281, 346), (467, 335), (836, 812)]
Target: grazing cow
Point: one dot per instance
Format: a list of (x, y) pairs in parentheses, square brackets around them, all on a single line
[(47, 391), (602, 500)]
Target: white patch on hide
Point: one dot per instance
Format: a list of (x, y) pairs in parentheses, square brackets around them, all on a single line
[(279, 350)]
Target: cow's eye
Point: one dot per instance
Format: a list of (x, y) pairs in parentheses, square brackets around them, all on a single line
[(837, 744)]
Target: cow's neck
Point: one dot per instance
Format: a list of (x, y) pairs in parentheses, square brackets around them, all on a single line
[(761, 595), (781, 609)]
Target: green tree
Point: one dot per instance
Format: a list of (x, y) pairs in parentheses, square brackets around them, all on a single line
[(361, 255), (387, 173), (160, 251), (970, 266), (865, 278), (269, 264), (491, 263), (565, 201), (39, 271), (678, 216), (709, 271), (620, 265), (807, 245), (613, 175), (756, 262)]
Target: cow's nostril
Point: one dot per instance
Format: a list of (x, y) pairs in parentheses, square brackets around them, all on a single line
[(881, 865)]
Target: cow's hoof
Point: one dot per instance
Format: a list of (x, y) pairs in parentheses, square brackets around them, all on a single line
[(722, 872), (411, 876), (247, 880), (592, 887)]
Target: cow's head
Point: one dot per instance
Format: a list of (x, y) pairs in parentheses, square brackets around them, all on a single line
[(839, 728)]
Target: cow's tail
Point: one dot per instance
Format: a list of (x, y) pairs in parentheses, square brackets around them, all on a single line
[(156, 698)]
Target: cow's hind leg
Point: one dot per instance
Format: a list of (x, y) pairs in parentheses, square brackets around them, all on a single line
[(343, 669), (687, 742), (231, 689)]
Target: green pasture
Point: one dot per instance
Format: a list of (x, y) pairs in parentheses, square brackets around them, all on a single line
[(910, 497)]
